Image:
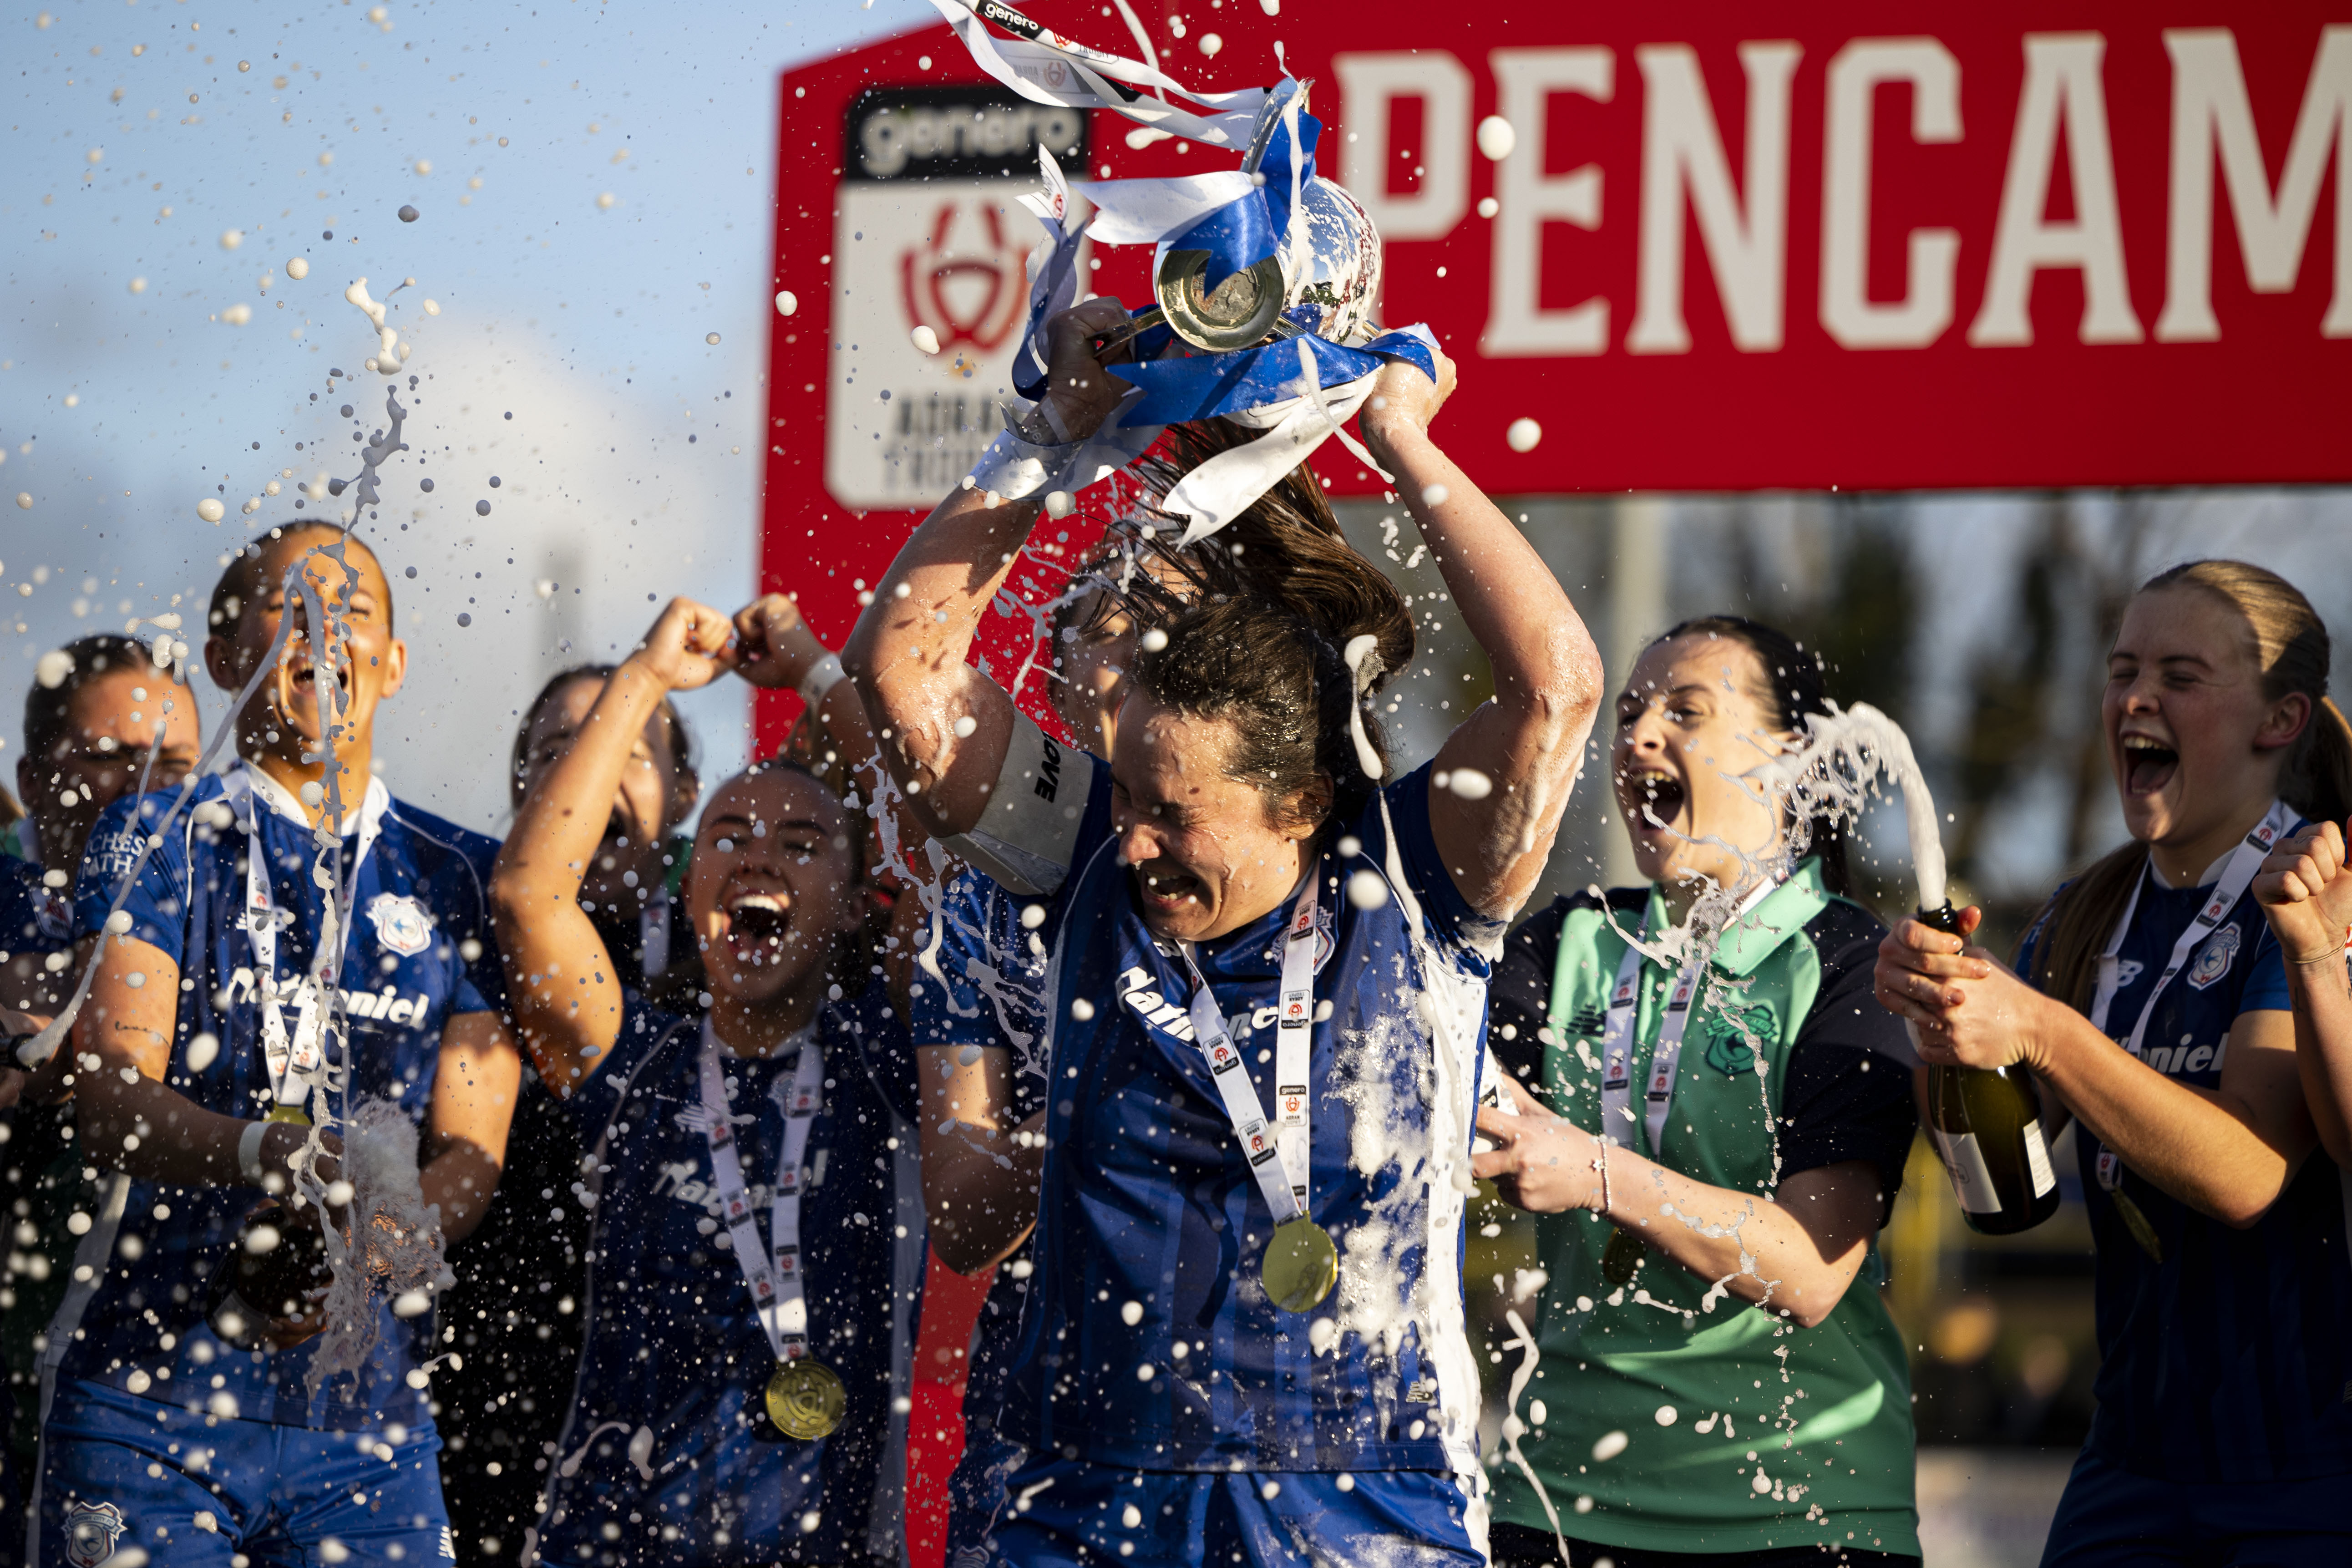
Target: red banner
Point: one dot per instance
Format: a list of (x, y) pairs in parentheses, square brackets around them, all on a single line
[(1717, 246)]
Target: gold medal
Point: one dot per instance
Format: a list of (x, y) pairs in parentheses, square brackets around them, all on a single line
[(805, 1399), (294, 1115), (2135, 1221), (1300, 1265), (1622, 1257)]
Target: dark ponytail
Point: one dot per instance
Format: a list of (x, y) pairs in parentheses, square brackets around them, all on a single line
[(2290, 647), (1793, 687), (1257, 620)]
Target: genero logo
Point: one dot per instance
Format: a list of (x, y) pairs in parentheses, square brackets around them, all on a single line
[(928, 232)]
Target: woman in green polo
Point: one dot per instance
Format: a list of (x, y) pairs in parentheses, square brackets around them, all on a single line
[(1711, 1385)]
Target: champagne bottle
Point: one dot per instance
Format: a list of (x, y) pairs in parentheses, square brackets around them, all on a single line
[(1987, 1124), (270, 1292)]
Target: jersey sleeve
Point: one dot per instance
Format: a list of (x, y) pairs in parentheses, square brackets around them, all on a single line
[(989, 999), (1519, 995), (157, 901), (1448, 913), (2265, 990), (1848, 1096)]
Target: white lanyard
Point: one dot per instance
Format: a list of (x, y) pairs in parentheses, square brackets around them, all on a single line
[(1279, 1160), (773, 1272), (2236, 876), (294, 1063), (1666, 1061)]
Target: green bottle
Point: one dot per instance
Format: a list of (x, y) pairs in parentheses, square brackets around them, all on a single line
[(1987, 1124)]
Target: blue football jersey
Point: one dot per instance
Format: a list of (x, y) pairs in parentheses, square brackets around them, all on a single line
[(2231, 1359), (675, 1349), (1152, 1343), (994, 971), (155, 1246)]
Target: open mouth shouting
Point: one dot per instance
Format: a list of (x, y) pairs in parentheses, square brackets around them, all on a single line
[(1651, 798), (299, 679), (1164, 888), (2148, 765), (757, 927)]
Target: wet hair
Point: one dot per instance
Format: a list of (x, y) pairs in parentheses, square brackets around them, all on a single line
[(47, 709), (681, 739), (240, 581), (1256, 620), (1793, 687), (2291, 645)]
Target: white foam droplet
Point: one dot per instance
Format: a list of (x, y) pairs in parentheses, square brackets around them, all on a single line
[(1032, 916), (340, 1193), (1081, 1009), (1132, 1314), (1152, 641), (25, 499), (1322, 1334), (1058, 503), (55, 666), (139, 285), (1537, 1413), (965, 726), (411, 1304), (1470, 783), (1666, 1415), (231, 239), (786, 302), (203, 1051), (1145, 1373), (711, 338), (641, 1449), (211, 510), (1367, 890), (1496, 138), (925, 339), (604, 202), (1609, 1445), (1434, 495), (1488, 207), (298, 269), (1523, 435), (261, 1239), (1209, 44), (237, 315)]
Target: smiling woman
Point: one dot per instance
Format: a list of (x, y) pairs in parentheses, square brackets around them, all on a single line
[(738, 1295), (2224, 1294)]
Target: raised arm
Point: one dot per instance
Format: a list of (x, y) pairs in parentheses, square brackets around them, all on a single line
[(1528, 743), (907, 653), (2305, 890), (473, 1109), (559, 980)]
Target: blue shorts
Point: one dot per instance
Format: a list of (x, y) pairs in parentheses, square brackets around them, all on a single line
[(2110, 1517), (1067, 1513), (196, 1491)]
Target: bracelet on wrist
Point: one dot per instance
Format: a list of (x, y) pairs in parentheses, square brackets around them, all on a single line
[(822, 678)]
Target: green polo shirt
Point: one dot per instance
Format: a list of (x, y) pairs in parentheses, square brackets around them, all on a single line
[(1742, 1430)]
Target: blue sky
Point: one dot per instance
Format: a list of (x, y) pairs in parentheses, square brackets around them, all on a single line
[(140, 134)]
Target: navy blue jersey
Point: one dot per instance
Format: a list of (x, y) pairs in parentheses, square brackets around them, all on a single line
[(36, 920), (406, 973), (674, 1346), (1152, 1343), (2230, 1360), (995, 973)]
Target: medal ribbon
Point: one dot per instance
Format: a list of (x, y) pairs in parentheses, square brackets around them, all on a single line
[(1666, 1062), (2236, 876), (1279, 1160), (293, 1061), (773, 1272)]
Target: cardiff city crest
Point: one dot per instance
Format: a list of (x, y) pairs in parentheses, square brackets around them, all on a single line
[(401, 924), (92, 1531)]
